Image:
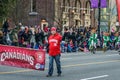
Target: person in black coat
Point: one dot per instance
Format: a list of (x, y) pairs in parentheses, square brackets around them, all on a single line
[(6, 26), (39, 37), (27, 34)]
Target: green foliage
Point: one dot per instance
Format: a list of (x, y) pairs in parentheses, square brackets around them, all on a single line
[(6, 7)]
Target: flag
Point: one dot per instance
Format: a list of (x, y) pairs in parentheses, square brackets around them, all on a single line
[(103, 3), (94, 3), (118, 9)]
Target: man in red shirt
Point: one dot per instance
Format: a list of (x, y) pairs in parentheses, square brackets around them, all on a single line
[(54, 51)]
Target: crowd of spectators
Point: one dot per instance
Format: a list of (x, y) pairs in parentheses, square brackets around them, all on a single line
[(34, 37)]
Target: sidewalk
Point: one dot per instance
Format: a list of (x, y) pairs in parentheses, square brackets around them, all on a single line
[(98, 51)]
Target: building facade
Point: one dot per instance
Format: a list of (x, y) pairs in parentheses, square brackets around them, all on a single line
[(76, 13), (34, 12), (109, 16), (69, 13)]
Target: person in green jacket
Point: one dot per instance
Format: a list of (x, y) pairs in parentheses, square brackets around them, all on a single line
[(106, 39), (14, 37), (93, 40)]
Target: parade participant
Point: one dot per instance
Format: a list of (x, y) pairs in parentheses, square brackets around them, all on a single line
[(106, 39), (93, 40), (54, 52)]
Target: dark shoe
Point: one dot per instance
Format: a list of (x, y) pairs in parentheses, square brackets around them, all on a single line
[(58, 75), (48, 75)]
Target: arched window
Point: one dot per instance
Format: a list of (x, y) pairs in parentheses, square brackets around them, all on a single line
[(66, 5), (88, 7), (77, 5), (63, 3), (33, 5)]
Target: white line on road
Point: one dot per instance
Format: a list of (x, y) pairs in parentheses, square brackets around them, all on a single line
[(97, 77), (113, 55), (65, 58)]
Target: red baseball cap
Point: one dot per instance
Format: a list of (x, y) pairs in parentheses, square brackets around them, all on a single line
[(53, 29)]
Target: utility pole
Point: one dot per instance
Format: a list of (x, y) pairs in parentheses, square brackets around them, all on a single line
[(99, 18)]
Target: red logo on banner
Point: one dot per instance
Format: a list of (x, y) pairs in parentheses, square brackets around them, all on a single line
[(39, 57)]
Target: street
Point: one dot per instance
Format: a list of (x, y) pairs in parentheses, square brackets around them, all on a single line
[(75, 66)]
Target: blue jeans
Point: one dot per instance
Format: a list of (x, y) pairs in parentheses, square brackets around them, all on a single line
[(62, 47), (51, 62), (69, 48)]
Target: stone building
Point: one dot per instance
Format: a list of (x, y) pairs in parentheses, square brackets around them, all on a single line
[(75, 13), (70, 13)]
